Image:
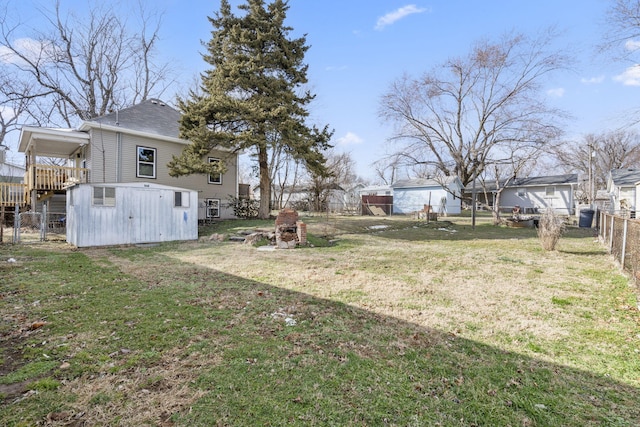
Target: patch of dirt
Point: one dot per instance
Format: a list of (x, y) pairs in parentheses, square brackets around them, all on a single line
[(12, 360)]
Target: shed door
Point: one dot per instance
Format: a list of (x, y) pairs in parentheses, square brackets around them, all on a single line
[(142, 223)]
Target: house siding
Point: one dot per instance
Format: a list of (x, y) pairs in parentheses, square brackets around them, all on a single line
[(101, 156), (628, 194), (536, 198), (165, 150)]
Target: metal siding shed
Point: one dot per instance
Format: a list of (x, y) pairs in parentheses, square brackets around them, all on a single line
[(142, 213)]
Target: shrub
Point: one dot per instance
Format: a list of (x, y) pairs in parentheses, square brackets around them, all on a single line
[(244, 208), (550, 228)]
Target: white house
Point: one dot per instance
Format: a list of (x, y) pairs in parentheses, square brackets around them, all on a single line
[(125, 149), (443, 195), (538, 193), (621, 186), (531, 195)]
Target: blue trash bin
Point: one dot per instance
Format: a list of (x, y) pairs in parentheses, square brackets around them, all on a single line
[(586, 218)]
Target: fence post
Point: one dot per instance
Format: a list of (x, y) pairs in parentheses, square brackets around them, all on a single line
[(16, 225), (43, 222), (624, 241), (611, 234)]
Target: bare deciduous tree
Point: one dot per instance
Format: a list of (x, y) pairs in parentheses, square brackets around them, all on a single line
[(623, 26), (601, 152), (341, 176), (621, 41), (80, 67), (477, 111)]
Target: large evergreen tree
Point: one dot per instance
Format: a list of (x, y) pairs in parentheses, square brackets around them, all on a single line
[(252, 98)]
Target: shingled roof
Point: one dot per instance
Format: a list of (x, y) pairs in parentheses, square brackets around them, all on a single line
[(625, 177), (533, 181), (151, 116)]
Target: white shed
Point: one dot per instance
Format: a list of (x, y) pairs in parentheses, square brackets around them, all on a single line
[(132, 213), (412, 195)]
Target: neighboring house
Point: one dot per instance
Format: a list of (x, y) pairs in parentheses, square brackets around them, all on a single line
[(376, 190), (621, 186), (301, 197), (130, 146), (443, 195), (11, 173), (533, 195)]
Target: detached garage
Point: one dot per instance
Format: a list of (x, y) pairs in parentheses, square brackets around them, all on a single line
[(133, 213), (442, 195)]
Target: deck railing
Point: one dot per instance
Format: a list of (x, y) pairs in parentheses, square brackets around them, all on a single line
[(50, 177), (12, 194)]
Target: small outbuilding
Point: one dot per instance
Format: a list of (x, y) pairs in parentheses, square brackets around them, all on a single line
[(442, 195), (132, 213)]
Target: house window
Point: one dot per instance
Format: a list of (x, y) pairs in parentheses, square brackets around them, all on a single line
[(146, 162), (215, 178), (213, 208), (522, 192), (181, 199), (550, 191), (104, 196)]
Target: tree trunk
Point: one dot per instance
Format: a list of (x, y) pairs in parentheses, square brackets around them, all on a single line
[(495, 211), (264, 210)]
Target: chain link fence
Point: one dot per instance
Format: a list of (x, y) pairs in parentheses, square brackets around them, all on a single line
[(621, 236), (30, 227)]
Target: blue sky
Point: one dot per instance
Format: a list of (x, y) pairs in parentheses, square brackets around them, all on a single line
[(358, 47)]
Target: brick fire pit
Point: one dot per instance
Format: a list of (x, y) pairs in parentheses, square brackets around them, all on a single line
[(289, 231)]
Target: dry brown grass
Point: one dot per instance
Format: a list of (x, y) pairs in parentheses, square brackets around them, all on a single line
[(480, 289), (137, 397)]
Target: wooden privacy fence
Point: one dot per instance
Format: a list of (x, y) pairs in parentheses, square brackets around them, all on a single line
[(622, 238)]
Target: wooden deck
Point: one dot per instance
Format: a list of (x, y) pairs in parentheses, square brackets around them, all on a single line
[(12, 194), (41, 179)]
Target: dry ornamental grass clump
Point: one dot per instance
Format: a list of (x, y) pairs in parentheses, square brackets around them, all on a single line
[(550, 228)]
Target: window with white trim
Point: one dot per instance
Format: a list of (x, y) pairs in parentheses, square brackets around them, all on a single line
[(213, 208), (181, 199), (522, 192), (104, 196), (215, 178), (550, 191), (146, 163)]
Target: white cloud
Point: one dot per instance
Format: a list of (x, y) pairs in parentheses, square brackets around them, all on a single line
[(349, 139), (31, 49), (630, 76), (7, 113), (556, 93), (592, 80), (396, 15), (632, 45)]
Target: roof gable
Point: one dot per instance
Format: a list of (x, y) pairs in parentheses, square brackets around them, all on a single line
[(152, 116)]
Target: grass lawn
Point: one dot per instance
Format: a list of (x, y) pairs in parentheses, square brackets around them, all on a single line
[(396, 322)]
